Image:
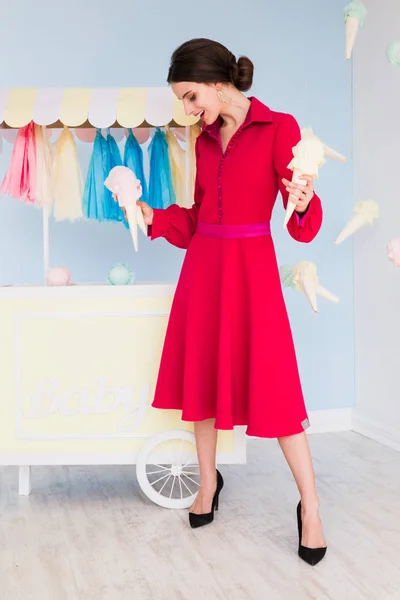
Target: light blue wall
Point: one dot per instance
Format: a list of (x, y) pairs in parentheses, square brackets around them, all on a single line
[(298, 51)]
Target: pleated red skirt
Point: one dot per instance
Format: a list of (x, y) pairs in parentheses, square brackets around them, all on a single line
[(228, 352)]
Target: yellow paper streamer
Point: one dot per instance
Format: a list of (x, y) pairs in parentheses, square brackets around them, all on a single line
[(67, 179), (176, 155)]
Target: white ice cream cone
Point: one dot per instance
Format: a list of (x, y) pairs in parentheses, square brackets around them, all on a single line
[(352, 26), (330, 153), (135, 220), (354, 224), (140, 220), (309, 286), (324, 293), (131, 214), (291, 206)]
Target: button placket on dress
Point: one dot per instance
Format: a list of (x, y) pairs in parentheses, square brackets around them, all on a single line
[(221, 165)]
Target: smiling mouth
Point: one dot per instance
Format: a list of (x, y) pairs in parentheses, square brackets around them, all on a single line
[(201, 114)]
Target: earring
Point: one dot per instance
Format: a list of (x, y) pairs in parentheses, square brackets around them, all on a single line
[(221, 96)]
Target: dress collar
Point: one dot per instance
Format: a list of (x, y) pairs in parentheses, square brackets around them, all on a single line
[(257, 113)]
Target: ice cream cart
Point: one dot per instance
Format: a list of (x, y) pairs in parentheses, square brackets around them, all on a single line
[(79, 362)]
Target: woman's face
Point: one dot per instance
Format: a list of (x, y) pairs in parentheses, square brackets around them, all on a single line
[(199, 99)]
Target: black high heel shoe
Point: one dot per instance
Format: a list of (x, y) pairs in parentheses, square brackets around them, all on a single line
[(206, 518), (312, 556)]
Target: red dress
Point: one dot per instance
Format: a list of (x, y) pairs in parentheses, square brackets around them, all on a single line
[(228, 352)]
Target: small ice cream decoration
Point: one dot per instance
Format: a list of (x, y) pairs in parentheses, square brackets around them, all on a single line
[(393, 251), (393, 53), (120, 274), (58, 276), (286, 275), (307, 132), (308, 156), (364, 213), (303, 277), (122, 182), (354, 16)]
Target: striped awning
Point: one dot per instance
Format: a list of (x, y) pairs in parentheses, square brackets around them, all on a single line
[(96, 107)]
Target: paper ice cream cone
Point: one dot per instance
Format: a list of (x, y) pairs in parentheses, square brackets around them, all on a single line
[(126, 190), (324, 293), (352, 27), (131, 215), (291, 206), (140, 220), (135, 219), (308, 285), (330, 153), (354, 224)]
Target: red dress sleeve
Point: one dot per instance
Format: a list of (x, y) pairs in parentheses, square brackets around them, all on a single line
[(175, 223), (302, 227)]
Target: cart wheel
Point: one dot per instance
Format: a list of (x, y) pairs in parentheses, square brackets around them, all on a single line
[(167, 469)]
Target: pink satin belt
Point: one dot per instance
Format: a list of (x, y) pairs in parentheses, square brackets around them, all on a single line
[(247, 230)]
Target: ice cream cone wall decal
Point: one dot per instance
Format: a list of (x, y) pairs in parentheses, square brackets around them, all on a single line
[(354, 16), (303, 277), (393, 53), (307, 132), (364, 213), (393, 251)]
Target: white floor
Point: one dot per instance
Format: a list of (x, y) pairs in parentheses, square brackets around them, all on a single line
[(88, 533)]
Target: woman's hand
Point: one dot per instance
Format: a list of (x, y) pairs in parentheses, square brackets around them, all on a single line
[(147, 212), (300, 194)]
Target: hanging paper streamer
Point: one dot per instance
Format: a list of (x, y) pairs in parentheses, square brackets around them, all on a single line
[(98, 202), (44, 164), (114, 211), (161, 192), (176, 156), (93, 196), (194, 132), (67, 179), (20, 179), (133, 159)]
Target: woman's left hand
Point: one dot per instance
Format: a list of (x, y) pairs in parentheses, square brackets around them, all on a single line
[(300, 195)]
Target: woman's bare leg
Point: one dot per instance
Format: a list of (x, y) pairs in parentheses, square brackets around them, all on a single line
[(206, 444), (298, 456)]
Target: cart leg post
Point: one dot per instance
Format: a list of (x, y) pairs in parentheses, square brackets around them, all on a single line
[(24, 487)]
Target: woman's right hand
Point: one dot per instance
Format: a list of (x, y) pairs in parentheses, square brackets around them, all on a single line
[(147, 212)]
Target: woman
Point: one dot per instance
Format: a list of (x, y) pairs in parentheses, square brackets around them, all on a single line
[(228, 356)]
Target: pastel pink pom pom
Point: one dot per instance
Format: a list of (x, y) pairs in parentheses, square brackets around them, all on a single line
[(58, 276)]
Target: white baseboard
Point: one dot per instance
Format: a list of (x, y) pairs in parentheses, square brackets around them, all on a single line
[(326, 421), (372, 428), (354, 419)]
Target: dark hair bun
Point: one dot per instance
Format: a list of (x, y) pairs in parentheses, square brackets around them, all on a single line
[(206, 61), (243, 72)]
